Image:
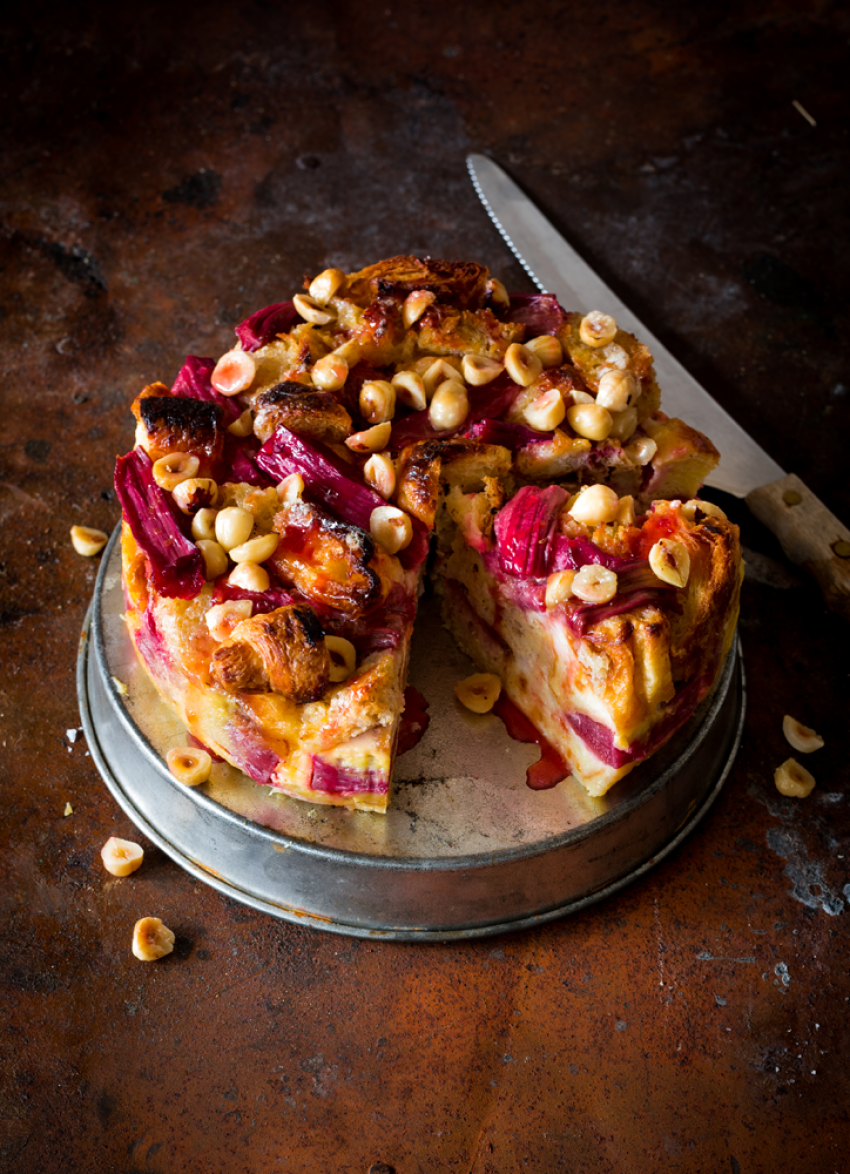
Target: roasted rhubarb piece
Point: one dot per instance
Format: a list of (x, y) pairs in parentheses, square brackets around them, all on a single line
[(265, 325), (175, 563)]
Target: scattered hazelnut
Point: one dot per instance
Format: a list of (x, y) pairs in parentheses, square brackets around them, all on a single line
[(151, 939)]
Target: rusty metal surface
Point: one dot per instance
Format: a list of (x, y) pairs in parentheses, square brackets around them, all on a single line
[(162, 176)]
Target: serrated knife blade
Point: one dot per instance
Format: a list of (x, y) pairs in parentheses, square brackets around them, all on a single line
[(810, 535)]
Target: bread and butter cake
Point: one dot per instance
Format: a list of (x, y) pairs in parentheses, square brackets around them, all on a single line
[(280, 505)]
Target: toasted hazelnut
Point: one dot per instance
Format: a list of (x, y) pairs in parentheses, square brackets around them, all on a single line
[(521, 364), (250, 577), (793, 780), (371, 439), (615, 357), (670, 561), (151, 939), (595, 584), (559, 588), (311, 311), (480, 692), (121, 857), (170, 470), (696, 504), (449, 407), (330, 372), (379, 473), (478, 369), (377, 401), (547, 411), (189, 765), (233, 526), (350, 352), (597, 329), (626, 511), (410, 389), (291, 487), (437, 371), (88, 541), (214, 556), (415, 305), (800, 736), (203, 524), (595, 505), (255, 550), (326, 285), (548, 350), (195, 493), (642, 450), (343, 657), (234, 372), (616, 389), (391, 527), (623, 424), (591, 421), (497, 295)]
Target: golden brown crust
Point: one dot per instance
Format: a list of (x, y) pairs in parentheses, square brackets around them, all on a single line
[(236, 667), (468, 463), (711, 601), (683, 459), (462, 283), (169, 423), (371, 698), (326, 559), (445, 330), (456, 461), (313, 414), (418, 480), (282, 652)]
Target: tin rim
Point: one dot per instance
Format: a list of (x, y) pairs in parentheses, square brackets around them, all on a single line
[(727, 705)]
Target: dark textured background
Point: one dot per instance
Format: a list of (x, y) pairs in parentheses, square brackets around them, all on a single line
[(168, 169)]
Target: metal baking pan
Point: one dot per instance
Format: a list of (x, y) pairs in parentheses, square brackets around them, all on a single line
[(466, 849)]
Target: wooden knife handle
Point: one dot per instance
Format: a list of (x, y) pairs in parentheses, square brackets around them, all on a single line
[(811, 536)]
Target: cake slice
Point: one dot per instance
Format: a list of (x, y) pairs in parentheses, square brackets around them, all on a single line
[(292, 669), (606, 630)]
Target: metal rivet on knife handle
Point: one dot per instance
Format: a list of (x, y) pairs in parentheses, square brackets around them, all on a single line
[(811, 536)]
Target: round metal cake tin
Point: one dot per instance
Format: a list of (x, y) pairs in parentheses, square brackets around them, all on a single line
[(466, 849)]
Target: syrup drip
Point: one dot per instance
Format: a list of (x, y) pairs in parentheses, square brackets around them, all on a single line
[(414, 720), (550, 769)]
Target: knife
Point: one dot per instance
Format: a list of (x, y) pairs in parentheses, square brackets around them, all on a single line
[(811, 536)]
